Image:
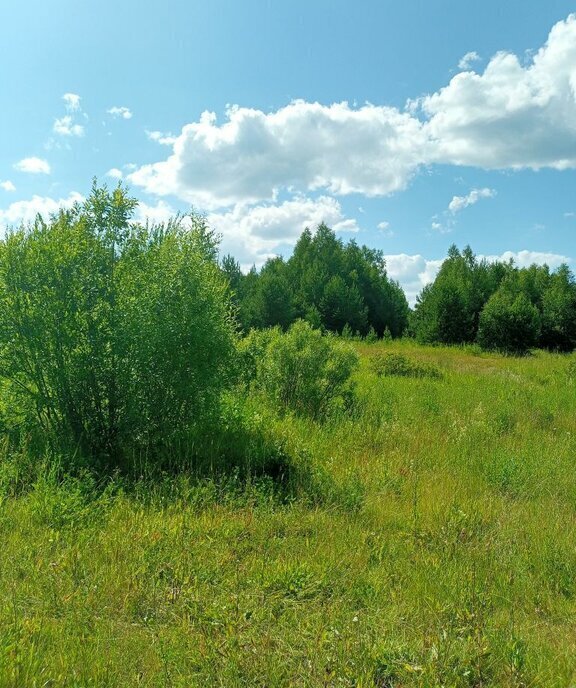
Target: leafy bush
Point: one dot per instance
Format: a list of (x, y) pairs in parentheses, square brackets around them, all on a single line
[(399, 365), (114, 335), (300, 371), (509, 323)]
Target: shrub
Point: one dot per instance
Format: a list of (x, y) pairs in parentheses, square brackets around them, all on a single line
[(116, 335), (509, 323), (300, 371), (399, 365)]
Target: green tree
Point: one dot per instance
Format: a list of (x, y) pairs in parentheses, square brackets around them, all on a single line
[(343, 305), (273, 297), (448, 310), (345, 283), (558, 305)]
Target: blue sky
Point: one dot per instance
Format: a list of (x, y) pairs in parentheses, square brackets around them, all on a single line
[(408, 126)]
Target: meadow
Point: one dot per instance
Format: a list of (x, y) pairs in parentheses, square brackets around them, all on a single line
[(425, 537)]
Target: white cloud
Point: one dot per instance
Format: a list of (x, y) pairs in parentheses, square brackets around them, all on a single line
[(254, 233), (524, 259), (65, 126), (161, 212), (303, 146), (26, 211), (33, 165), (413, 272), (519, 112), (123, 112), (71, 102), (115, 173), (160, 137), (569, 214), (7, 186), (458, 203), (468, 59), (511, 115), (385, 230)]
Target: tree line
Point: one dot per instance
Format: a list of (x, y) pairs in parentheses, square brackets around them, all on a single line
[(342, 287), (330, 284), (497, 305)]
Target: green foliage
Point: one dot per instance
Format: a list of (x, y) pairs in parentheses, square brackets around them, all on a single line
[(393, 364), (325, 282), (372, 337), (509, 323), (300, 371), (115, 336), (448, 310), (342, 306), (558, 309)]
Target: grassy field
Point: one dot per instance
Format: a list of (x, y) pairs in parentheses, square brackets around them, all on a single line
[(432, 543)]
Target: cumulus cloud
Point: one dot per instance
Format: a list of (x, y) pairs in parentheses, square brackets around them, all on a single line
[(32, 165), (254, 233), (467, 60), (304, 146), (7, 186), (65, 126), (120, 111), (458, 203), (71, 101), (114, 173), (513, 115), (26, 211)]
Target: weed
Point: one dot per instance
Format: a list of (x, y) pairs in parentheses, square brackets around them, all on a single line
[(393, 364)]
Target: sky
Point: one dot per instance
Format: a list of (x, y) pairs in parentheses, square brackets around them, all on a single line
[(406, 126)]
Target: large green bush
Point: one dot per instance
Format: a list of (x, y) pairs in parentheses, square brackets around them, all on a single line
[(301, 370), (114, 336), (509, 323)]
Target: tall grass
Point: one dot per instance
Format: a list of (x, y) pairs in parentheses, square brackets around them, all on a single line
[(427, 539)]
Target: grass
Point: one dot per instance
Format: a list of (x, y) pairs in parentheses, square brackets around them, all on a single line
[(432, 544)]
